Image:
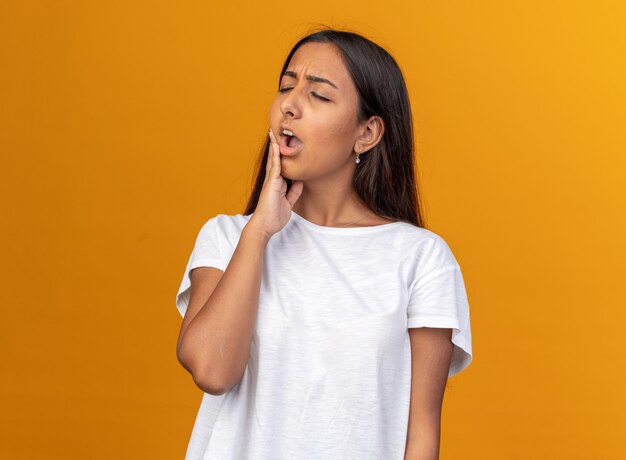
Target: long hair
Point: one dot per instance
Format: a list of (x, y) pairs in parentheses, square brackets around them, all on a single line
[(385, 178)]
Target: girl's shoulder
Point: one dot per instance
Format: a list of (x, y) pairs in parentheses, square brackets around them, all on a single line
[(228, 223)]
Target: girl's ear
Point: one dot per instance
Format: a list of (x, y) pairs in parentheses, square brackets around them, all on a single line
[(371, 133)]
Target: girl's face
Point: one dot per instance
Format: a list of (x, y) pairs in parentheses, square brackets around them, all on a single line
[(317, 101)]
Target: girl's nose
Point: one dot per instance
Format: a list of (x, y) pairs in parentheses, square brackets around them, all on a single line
[(290, 106)]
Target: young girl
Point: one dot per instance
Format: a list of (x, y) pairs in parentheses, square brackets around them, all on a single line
[(323, 322)]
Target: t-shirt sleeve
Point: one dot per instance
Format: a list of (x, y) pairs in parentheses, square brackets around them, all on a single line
[(207, 252), (437, 298)]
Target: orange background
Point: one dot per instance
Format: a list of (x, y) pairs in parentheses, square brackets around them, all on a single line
[(126, 125)]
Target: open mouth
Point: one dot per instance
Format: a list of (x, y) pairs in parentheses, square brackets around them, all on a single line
[(289, 143), (289, 136)]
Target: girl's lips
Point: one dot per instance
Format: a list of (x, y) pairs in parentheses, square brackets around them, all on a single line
[(296, 145)]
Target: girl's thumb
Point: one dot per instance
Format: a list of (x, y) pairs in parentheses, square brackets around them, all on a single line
[(295, 191)]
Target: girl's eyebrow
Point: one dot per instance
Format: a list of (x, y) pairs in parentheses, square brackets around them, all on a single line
[(292, 74)]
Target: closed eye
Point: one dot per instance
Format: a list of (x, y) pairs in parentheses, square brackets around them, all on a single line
[(314, 94)]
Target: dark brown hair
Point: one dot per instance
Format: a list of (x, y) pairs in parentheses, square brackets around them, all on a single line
[(385, 179)]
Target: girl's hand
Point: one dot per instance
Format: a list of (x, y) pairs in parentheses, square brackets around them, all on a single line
[(273, 209)]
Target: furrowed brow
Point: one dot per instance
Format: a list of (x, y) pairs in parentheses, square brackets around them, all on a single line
[(292, 74)]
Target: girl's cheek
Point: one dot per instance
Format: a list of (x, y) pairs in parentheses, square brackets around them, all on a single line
[(338, 128)]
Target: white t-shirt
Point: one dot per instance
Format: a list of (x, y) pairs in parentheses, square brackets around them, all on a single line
[(329, 371)]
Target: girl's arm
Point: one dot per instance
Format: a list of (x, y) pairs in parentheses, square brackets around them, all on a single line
[(431, 354), (214, 341), (215, 338)]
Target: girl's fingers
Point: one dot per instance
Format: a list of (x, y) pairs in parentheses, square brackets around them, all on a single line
[(270, 154), (274, 149)]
